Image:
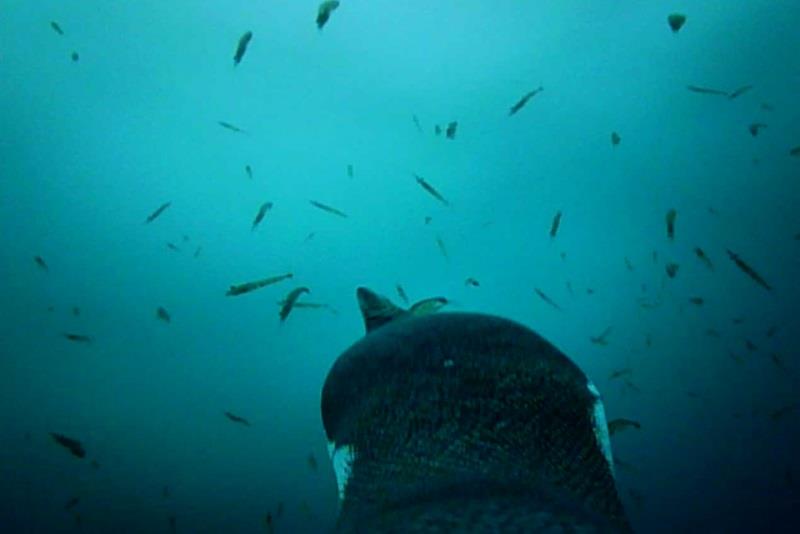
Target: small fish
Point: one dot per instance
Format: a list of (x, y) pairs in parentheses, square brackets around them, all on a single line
[(416, 123), (197, 251), (231, 127), (428, 306), (268, 523), (545, 298), (628, 264), (755, 127), (795, 151), (735, 357), (349, 170), (783, 411), (615, 138), (676, 21), (655, 256), (450, 131), (262, 211), (672, 269), (237, 419), (618, 425), (737, 320), (569, 288), (329, 209), (95, 464), (173, 524), (249, 171), (312, 463), (602, 339), (778, 361), (524, 100), (153, 216), (72, 445), (740, 91), (437, 130), (767, 107), (289, 301), (401, 293), (697, 301), (670, 220), (185, 238), (772, 331), (555, 224), (173, 247), (702, 256), (279, 510), (75, 57), (241, 47), (309, 237), (471, 282), (750, 345), (76, 311), (619, 373), (56, 28), (589, 291), (324, 12), (41, 263), (428, 220), (706, 90), (72, 503), (745, 268), (442, 248), (311, 305), (247, 287), (430, 189), (162, 314), (631, 386), (710, 332), (78, 338)]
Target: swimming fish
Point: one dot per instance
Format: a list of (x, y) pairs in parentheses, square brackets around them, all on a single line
[(619, 373), (697, 301), (450, 131), (750, 345), (311, 305), (41, 263), (416, 123), (78, 338), (262, 211), (329, 209), (755, 127), (442, 248), (702, 256), (746, 269), (312, 463), (249, 171), (710, 332), (783, 411), (241, 47), (268, 523), (706, 90), (676, 21), (437, 129), (740, 91), (173, 247), (76, 311), (324, 12), (162, 314), (401, 293), (524, 100), (461, 422), (72, 503), (72, 445), (428, 306), (75, 57), (555, 224), (349, 170), (252, 286), (430, 189), (237, 419), (231, 127), (197, 251), (615, 138), (670, 219), (617, 425), (471, 282), (628, 264), (778, 361), (602, 339), (545, 298), (795, 151), (153, 216), (672, 269), (56, 28), (290, 300)]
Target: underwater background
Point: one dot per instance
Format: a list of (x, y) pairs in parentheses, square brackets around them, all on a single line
[(115, 111)]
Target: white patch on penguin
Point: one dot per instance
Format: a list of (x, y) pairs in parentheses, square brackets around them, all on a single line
[(342, 460), (601, 426)]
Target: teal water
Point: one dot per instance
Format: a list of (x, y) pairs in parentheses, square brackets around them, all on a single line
[(90, 148)]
